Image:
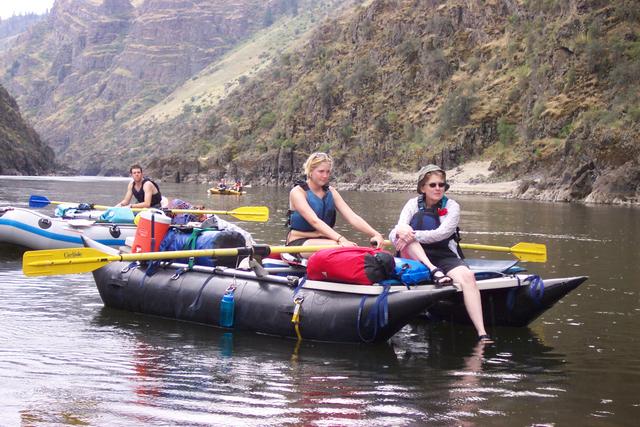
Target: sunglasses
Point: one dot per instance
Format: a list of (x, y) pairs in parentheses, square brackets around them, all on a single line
[(437, 184)]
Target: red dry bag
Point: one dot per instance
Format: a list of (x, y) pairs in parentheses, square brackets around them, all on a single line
[(355, 265)]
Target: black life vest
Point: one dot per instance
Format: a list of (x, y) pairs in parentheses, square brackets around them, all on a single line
[(139, 194), (429, 219)]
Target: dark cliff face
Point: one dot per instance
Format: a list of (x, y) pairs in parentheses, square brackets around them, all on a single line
[(22, 151)]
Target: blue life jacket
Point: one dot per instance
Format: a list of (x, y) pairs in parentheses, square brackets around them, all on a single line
[(428, 219), (325, 208), (139, 194)]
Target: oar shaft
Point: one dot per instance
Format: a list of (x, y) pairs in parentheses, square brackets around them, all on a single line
[(74, 256), (485, 247)]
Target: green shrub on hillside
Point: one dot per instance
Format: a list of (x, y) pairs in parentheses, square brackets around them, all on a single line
[(455, 110), (627, 10), (267, 120), (325, 84), (436, 65), (363, 72), (597, 57), (566, 131), (408, 50), (507, 133), (626, 73)]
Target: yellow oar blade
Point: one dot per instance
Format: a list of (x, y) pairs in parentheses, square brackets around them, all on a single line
[(251, 213), (531, 252), (64, 261)]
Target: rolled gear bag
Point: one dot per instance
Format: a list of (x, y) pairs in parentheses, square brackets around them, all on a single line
[(411, 272), (177, 240), (354, 265)]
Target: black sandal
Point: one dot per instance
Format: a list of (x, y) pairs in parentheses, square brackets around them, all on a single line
[(441, 279), (485, 339)]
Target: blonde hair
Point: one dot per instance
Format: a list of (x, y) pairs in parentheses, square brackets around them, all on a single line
[(314, 160)]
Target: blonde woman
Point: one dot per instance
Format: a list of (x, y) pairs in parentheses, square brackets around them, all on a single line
[(313, 206)]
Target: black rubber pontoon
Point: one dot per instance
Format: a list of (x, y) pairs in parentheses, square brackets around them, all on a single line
[(328, 311)]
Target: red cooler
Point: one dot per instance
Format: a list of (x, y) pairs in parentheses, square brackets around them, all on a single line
[(152, 227)]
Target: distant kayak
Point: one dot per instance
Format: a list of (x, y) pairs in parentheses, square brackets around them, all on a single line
[(228, 192)]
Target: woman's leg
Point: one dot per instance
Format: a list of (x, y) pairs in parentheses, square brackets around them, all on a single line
[(413, 249), (471, 295), (316, 242)]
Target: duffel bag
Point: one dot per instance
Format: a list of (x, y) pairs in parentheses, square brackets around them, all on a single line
[(177, 240), (354, 265)]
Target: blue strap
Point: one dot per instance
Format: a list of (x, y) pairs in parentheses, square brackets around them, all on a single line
[(379, 314), (197, 302), (511, 296), (301, 282), (536, 288)]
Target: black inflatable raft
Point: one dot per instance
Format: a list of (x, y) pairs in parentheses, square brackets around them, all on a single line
[(514, 300), (327, 311)]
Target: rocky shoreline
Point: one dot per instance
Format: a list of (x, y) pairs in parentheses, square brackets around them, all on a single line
[(470, 178), (476, 178)]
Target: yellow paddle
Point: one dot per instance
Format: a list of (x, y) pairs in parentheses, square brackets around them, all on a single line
[(244, 213), (524, 251), (82, 260), (532, 252)]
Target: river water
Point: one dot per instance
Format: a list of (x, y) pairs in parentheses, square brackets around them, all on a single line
[(65, 359)]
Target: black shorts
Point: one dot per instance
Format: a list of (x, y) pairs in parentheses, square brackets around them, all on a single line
[(447, 263), (299, 242)]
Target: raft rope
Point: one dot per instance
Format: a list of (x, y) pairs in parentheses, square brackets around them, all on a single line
[(295, 317), (536, 290), (379, 314)]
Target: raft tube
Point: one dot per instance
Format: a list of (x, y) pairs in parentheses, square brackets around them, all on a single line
[(33, 230), (331, 312), (508, 301)]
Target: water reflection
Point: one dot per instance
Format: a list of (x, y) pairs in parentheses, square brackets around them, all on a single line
[(520, 365), (186, 367), (64, 359)]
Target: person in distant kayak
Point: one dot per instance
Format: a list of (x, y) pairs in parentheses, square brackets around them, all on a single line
[(313, 205), (237, 186), (222, 185), (145, 191), (428, 224)]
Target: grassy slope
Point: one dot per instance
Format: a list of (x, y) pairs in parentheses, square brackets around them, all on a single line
[(216, 81)]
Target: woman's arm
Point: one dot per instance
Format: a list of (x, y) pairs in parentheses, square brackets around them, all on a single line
[(356, 220), (408, 211)]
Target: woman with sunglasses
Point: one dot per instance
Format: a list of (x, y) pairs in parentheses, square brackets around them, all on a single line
[(428, 224), (313, 204)]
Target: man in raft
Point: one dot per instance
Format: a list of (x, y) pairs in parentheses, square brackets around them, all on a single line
[(146, 191)]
